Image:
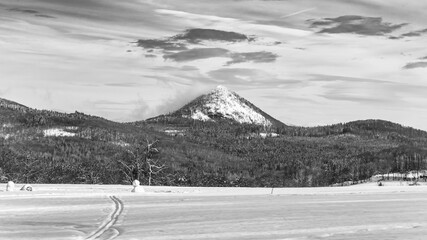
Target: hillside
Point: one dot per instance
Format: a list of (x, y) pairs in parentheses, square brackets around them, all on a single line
[(40, 146)]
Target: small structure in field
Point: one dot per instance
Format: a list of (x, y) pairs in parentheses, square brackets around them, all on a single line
[(27, 187), (10, 186), (136, 186)]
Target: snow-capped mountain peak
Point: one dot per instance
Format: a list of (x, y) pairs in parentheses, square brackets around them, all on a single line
[(222, 103), (221, 88)]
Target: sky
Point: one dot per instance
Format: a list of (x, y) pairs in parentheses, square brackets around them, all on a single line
[(304, 62)]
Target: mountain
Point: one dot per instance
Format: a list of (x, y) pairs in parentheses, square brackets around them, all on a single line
[(223, 104), (4, 103), (41, 146)]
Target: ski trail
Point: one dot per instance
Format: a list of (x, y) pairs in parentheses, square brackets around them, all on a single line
[(106, 230)]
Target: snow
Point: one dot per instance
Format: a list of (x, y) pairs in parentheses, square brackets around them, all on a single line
[(57, 132), (7, 125), (198, 115), (5, 136), (174, 132), (410, 175), (265, 135), (121, 143), (67, 211), (223, 102)]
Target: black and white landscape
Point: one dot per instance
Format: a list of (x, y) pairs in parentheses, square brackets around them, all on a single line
[(242, 119)]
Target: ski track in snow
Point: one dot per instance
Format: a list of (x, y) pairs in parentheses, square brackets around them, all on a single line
[(107, 231)]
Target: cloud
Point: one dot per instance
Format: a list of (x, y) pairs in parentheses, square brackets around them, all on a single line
[(353, 97), (257, 57), (415, 33), (169, 80), (196, 35), (197, 53), (289, 99), (124, 84), (187, 76), (360, 92), (245, 77), (355, 24), (232, 23), (109, 102), (236, 57), (178, 48), (411, 34), (415, 65), (368, 91), (335, 78), (165, 44), (30, 11), (193, 16), (298, 12), (143, 110), (109, 105), (175, 69), (191, 36), (179, 100), (44, 16), (234, 75)]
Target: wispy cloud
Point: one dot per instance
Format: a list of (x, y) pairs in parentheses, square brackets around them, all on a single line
[(355, 24), (297, 13), (226, 22), (236, 57), (144, 110), (372, 91), (110, 102), (415, 65), (193, 36), (244, 77), (336, 78), (256, 57), (122, 84), (196, 53), (416, 33), (141, 111), (30, 11), (165, 44)]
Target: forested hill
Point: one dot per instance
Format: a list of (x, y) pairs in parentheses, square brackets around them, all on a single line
[(50, 147), (371, 127)]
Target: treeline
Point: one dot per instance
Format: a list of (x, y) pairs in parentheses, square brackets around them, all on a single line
[(219, 153), (306, 161)]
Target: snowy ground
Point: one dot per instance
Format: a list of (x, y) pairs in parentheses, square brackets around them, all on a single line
[(112, 212)]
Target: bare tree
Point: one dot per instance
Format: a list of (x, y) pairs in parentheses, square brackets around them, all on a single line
[(142, 159), (154, 166), (30, 165)]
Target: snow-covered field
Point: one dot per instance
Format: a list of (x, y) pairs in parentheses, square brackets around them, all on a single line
[(112, 212), (57, 132)]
